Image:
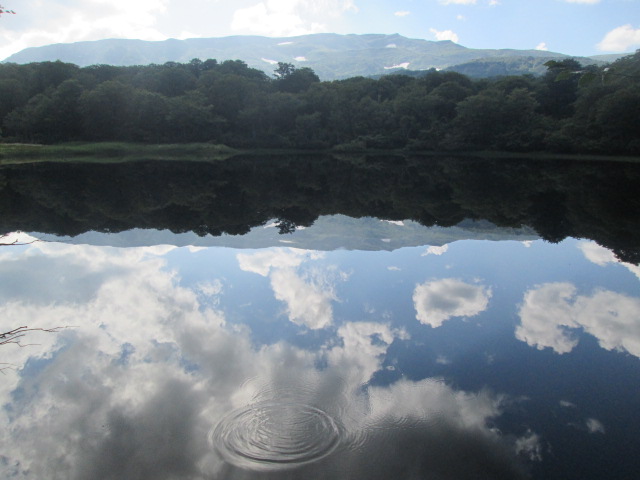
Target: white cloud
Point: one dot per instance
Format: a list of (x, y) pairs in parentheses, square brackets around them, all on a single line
[(300, 59), (542, 46), (458, 2), (444, 35), (437, 301), (59, 22), (620, 39), (549, 310), (402, 13), (277, 22), (493, 3), (289, 17)]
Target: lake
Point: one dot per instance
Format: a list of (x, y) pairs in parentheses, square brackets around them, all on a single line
[(301, 317)]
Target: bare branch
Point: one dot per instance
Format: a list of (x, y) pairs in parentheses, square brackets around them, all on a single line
[(3, 10), (15, 242), (13, 336), (10, 366)]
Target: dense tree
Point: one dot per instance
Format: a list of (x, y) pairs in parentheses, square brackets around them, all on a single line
[(105, 111), (298, 81), (571, 108), (619, 115), (32, 121), (284, 70), (496, 120), (12, 95), (560, 88)]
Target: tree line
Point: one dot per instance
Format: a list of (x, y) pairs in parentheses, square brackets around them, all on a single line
[(569, 109)]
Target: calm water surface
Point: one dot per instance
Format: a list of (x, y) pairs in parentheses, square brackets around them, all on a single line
[(355, 348)]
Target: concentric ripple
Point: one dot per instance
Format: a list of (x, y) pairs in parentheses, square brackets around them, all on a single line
[(272, 435)]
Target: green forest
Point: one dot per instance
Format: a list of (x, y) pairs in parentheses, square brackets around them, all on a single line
[(569, 109)]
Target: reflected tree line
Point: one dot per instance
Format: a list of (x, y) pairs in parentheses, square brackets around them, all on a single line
[(569, 109), (592, 200)]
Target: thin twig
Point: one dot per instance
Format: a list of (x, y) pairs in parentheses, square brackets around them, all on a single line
[(16, 242), (10, 367), (12, 336)]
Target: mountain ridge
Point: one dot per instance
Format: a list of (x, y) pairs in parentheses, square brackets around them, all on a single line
[(332, 56)]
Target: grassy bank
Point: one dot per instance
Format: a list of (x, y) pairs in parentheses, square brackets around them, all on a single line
[(110, 152), (115, 152)]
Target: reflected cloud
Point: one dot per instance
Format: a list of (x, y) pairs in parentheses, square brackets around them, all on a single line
[(530, 446), (443, 360), (307, 296), (308, 302), (603, 256), (135, 390), (264, 261), (434, 250), (439, 300), (549, 311), (594, 426), (362, 351)]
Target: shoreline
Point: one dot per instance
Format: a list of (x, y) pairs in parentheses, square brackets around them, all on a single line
[(115, 152)]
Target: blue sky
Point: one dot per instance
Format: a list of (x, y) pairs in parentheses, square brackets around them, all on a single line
[(575, 27)]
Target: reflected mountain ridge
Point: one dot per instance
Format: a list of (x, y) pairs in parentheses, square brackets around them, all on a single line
[(554, 198), (382, 318)]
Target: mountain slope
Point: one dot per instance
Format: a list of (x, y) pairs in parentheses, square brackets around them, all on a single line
[(331, 56)]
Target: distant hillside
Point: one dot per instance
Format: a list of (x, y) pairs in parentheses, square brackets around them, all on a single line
[(515, 65), (331, 56), (610, 57)]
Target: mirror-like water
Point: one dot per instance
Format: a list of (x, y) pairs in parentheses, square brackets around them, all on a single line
[(352, 348)]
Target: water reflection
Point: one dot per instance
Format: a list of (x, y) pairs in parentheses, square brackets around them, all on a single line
[(484, 197), (307, 295), (440, 300), (549, 310), (287, 363)]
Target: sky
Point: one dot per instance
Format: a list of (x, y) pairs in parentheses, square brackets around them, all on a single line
[(574, 27)]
